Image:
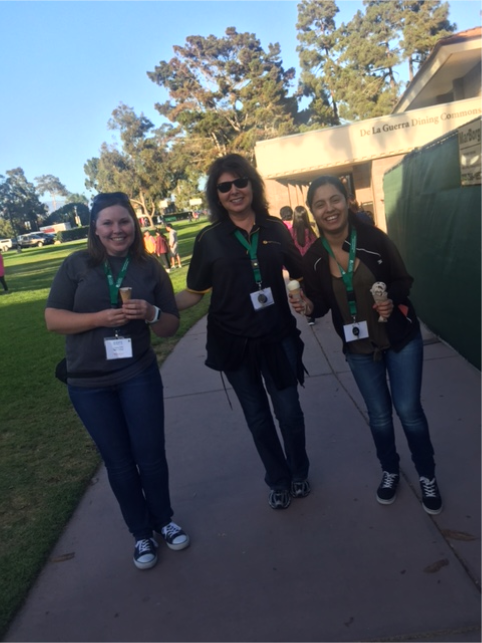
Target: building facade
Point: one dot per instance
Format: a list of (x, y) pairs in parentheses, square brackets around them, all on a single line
[(444, 94)]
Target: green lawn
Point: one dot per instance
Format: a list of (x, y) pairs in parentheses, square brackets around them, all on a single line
[(47, 460)]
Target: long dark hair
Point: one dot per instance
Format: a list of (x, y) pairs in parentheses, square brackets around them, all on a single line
[(326, 179), (301, 223), (94, 246), (238, 166)]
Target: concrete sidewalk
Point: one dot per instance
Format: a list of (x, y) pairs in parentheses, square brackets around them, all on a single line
[(336, 566)]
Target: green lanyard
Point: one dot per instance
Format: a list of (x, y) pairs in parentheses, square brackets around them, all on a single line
[(252, 249), (114, 287), (347, 276)]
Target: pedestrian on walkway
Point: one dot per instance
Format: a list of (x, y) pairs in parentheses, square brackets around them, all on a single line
[(173, 247), (113, 377), (2, 274), (378, 339), (252, 336), (303, 236)]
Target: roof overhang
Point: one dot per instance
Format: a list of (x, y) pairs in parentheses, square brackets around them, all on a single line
[(452, 57), (300, 156)]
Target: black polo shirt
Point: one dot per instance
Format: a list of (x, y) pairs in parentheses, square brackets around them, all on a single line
[(221, 263)]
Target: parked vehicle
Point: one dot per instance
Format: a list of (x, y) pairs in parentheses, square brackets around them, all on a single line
[(5, 244), (35, 240)]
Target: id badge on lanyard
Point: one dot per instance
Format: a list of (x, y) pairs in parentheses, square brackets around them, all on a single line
[(116, 347), (263, 297), (357, 329)]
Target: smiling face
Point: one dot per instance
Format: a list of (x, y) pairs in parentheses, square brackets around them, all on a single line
[(237, 202), (330, 210), (115, 228)]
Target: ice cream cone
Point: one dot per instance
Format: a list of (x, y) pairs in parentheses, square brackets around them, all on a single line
[(294, 289), (126, 294)]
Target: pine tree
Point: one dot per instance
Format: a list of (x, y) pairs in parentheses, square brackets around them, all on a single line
[(318, 36), (424, 23)]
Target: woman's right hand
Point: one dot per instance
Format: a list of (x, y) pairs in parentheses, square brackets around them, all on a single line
[(112, 318), (301, 304)]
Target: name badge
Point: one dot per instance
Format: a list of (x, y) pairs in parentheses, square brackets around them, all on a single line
[(118, 347), (262, 298), (355, 331)]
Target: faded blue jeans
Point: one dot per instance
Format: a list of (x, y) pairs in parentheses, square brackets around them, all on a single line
[(281, 469), (404, 371), (126, 422)]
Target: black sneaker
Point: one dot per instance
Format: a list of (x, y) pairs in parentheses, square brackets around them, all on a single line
[(175, 537), (279, 499), (431, 499), (145, 553), (300, 488), (387, 490)]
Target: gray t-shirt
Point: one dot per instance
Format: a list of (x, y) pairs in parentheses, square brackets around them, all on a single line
[(80, 288)]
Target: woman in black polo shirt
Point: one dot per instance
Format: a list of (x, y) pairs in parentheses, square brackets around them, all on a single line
[(252, 335)]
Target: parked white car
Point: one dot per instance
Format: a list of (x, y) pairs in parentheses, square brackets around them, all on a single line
[(5, 244)]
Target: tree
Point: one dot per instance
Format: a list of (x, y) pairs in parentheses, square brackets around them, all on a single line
[(19, 202), (424, 22), (225, 94), (368, 55), (141, 169), (68, 213), (318, 36), (52, 185), (349, 72), (73, 197)]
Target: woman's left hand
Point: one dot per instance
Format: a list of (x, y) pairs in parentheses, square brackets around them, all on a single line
[(384, 308), (138, 309)]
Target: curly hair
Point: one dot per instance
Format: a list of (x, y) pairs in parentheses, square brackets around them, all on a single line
[(238, 166)]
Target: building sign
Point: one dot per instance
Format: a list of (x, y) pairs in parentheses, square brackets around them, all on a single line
[(195, 201), (363, 140), (469, 153)]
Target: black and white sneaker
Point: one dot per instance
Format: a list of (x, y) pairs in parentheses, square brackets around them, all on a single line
[(387, 490), (175, 537), (279, 499), (431, 498), (145, 553), (300, 488)]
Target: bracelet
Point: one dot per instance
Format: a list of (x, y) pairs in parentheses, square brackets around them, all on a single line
[(157, 314)]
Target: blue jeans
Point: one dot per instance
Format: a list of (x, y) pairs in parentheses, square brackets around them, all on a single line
[(126, 422), (247, 383), (404, 371)]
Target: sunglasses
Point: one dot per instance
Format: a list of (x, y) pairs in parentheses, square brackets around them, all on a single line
[(227, 185)]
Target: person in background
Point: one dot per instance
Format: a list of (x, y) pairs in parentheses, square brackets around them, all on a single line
[(2, 274), (149, 242), (252, 335), (162, 249), (362, 215), (173, 247), (286, 214), (303, 236), (113, 378), (379, 339)]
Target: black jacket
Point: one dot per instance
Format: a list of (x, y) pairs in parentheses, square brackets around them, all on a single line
[(381, 256)]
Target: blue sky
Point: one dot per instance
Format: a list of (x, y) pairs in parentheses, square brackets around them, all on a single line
[(65, 66)]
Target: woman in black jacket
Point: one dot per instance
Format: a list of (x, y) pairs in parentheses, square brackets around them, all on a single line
[(379, 339)]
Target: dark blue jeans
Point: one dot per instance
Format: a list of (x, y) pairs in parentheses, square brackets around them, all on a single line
[(126, 422), (404, 371), (247, 383)]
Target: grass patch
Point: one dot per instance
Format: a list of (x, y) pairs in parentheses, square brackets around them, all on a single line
[(47, 459)]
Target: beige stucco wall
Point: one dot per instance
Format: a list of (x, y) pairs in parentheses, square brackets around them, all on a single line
[(291, 157)]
